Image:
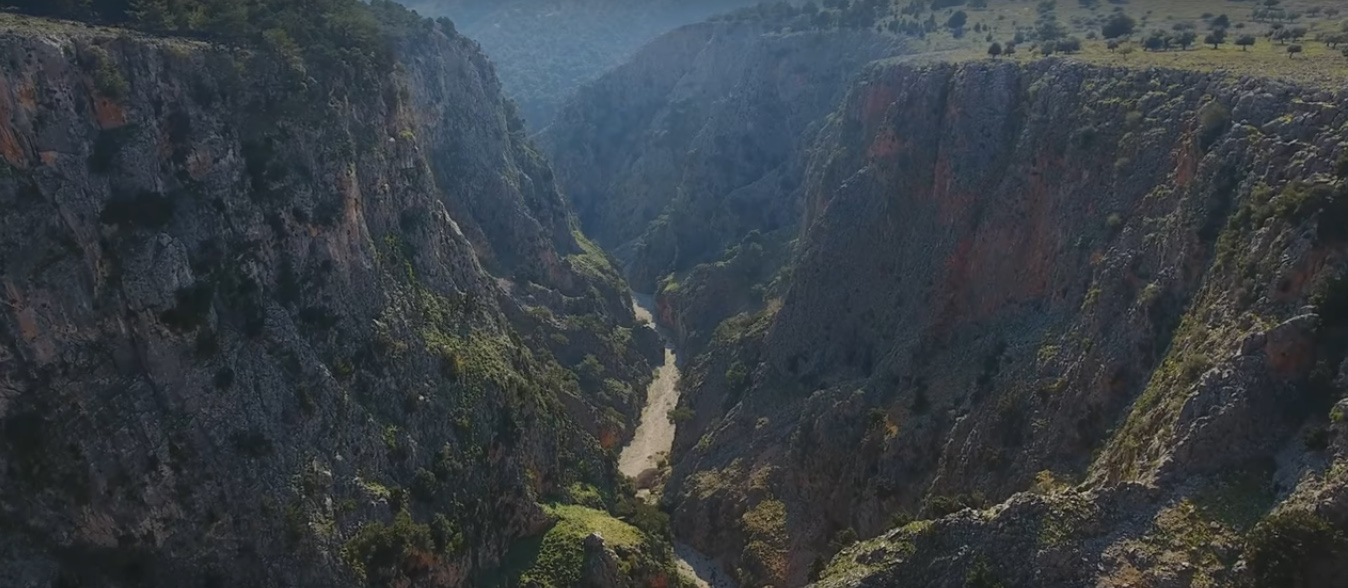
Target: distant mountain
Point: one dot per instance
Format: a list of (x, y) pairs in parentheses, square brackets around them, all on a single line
[(545, 49)]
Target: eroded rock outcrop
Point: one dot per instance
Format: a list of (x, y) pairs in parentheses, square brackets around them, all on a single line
[(1039, 276), (274, 323)]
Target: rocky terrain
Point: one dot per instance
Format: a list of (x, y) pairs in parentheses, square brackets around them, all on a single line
[(298, 303), (1117, 290), (688, 160), (275, 317)]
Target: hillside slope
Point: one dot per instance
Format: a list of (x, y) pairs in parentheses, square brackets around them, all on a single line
[(1035, 277), (688, 161), (546, 49), (262, 329)]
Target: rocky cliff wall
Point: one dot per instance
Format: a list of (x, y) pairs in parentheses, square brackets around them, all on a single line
[(262, 329), (688, 161), (1044, 276)]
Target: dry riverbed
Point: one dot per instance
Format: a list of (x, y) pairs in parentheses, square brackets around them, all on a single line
[(654, 437)]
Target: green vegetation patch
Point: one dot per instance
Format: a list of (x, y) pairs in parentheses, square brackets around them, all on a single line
[(555, 559), (329, 32), (379, 548), (1289, 548), (593, 261)]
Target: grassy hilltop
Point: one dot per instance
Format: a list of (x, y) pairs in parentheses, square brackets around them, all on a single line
[(1302, 40)]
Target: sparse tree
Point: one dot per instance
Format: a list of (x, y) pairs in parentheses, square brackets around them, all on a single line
[(1221, 22), (1049, 30), (995, 50), (1118, 25), (1292, 50), (1156, 41), (1245, 41), (1186, 39), (957, 20), (1215, 38)]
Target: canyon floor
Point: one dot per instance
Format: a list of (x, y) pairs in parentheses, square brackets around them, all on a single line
[(652, 441)]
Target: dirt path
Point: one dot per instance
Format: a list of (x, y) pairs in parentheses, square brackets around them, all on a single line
[(654, 437)]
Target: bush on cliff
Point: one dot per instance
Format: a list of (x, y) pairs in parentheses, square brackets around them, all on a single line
[(1287, 550)]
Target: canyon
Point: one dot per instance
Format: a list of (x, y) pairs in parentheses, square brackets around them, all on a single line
[(1045, 324), (769, 303)]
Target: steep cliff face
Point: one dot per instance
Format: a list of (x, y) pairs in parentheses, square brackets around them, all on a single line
[(673, 159), (1034, 276), (261, 329)]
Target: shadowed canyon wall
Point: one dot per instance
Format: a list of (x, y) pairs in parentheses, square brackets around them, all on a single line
[(688, 161), (260, 329), (1017, 277)]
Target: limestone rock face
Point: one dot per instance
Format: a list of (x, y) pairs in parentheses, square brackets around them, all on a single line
[(601, 565), (678, 154), (259, 329), (1015, 277)]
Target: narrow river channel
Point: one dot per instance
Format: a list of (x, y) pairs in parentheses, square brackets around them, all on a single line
[(653, 439)]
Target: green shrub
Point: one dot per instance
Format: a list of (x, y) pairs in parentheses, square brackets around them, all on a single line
[(378, 550), (590, 370), (1213, 121), (425, 486), (737, 377), (451, 364), (108, 78), (680, 415), (446, 536), (876, 418), (938, 506), (1291, 549), (981, 575)]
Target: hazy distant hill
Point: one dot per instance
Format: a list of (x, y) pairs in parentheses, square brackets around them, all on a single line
[(545, 49)]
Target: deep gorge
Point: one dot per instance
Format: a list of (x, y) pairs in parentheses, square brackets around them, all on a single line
[(1054, 291), (292, 316)]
